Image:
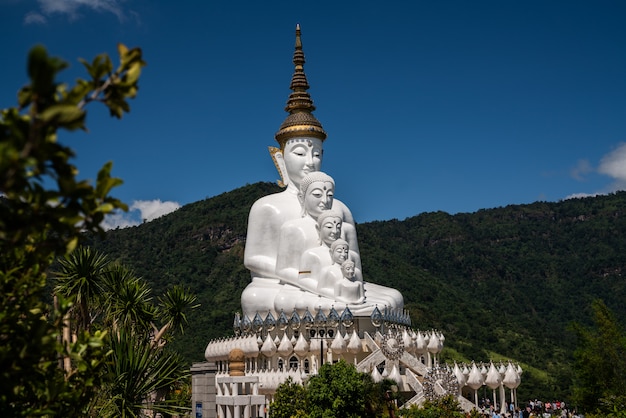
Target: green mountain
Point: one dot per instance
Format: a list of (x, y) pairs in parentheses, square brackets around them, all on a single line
[(500, 283)]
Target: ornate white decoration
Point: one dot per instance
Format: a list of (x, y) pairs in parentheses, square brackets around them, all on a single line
[(511, 377), (354, 346), (269, 348), (285, 347), (407, 341), (460, 377), (392, 345), (302, 346), (338, 346), (376, 376), (439, 382), (493, 378), (395, 375)]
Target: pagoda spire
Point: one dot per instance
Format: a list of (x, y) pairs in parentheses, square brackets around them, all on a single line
[(299, 99), (300, 122)]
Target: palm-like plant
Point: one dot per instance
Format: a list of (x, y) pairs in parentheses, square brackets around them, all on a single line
[(141, 374), (81, 280), (129, 301), (173, 307), (140, 371)]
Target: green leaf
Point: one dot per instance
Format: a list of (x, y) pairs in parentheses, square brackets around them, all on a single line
[(65, 115), (78, 92), (38, 69), (133, 73), (105, 208), (105, 182), (99, 67), (24, 96), (42, 69), (71, 245)]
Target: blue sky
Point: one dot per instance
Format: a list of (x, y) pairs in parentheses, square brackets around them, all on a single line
[(429, 105)]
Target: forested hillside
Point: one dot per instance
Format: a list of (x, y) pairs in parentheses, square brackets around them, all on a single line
[(500, 283)]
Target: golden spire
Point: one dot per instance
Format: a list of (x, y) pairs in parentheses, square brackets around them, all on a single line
[(300, 122)]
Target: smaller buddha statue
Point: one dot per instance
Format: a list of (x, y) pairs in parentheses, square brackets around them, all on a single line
[(332, 279), (330, 228), (298, 235), (347, 289)]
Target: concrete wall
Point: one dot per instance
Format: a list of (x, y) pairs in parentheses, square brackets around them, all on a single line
[(203, 390)]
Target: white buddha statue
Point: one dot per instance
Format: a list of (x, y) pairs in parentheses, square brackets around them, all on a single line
[(299, 156), (275, 286), (347, 289), (330, 229), (301, 276), (331, 283), (298, 235), (331, 274)]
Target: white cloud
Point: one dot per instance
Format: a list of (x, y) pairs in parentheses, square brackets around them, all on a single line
[(119, 220), (140, 211), (582, 168), (614, 165), (72, 8), (152, 209), (33, 18), (581, 195)]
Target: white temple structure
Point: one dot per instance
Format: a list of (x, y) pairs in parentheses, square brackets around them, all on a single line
[(307, 303)]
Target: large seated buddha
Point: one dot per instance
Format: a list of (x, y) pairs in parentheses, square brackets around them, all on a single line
[(281, 228)]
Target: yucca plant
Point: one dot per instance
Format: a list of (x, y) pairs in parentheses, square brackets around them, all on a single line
[(172, 311), (129, 301), (140, 371), (81, 280), (142, 375)]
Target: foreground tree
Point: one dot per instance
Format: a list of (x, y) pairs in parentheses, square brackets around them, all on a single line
[(289, 400), (600, 363), (338, 390), (141, 372), (113, 295), (81, 279), (140, 378), (44, 211), (445, 407)]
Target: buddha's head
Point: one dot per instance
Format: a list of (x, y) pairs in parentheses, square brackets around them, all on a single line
[(300, 135), (316, 193), (329, 224), (339, 251), (348, 269), (302, 156)]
